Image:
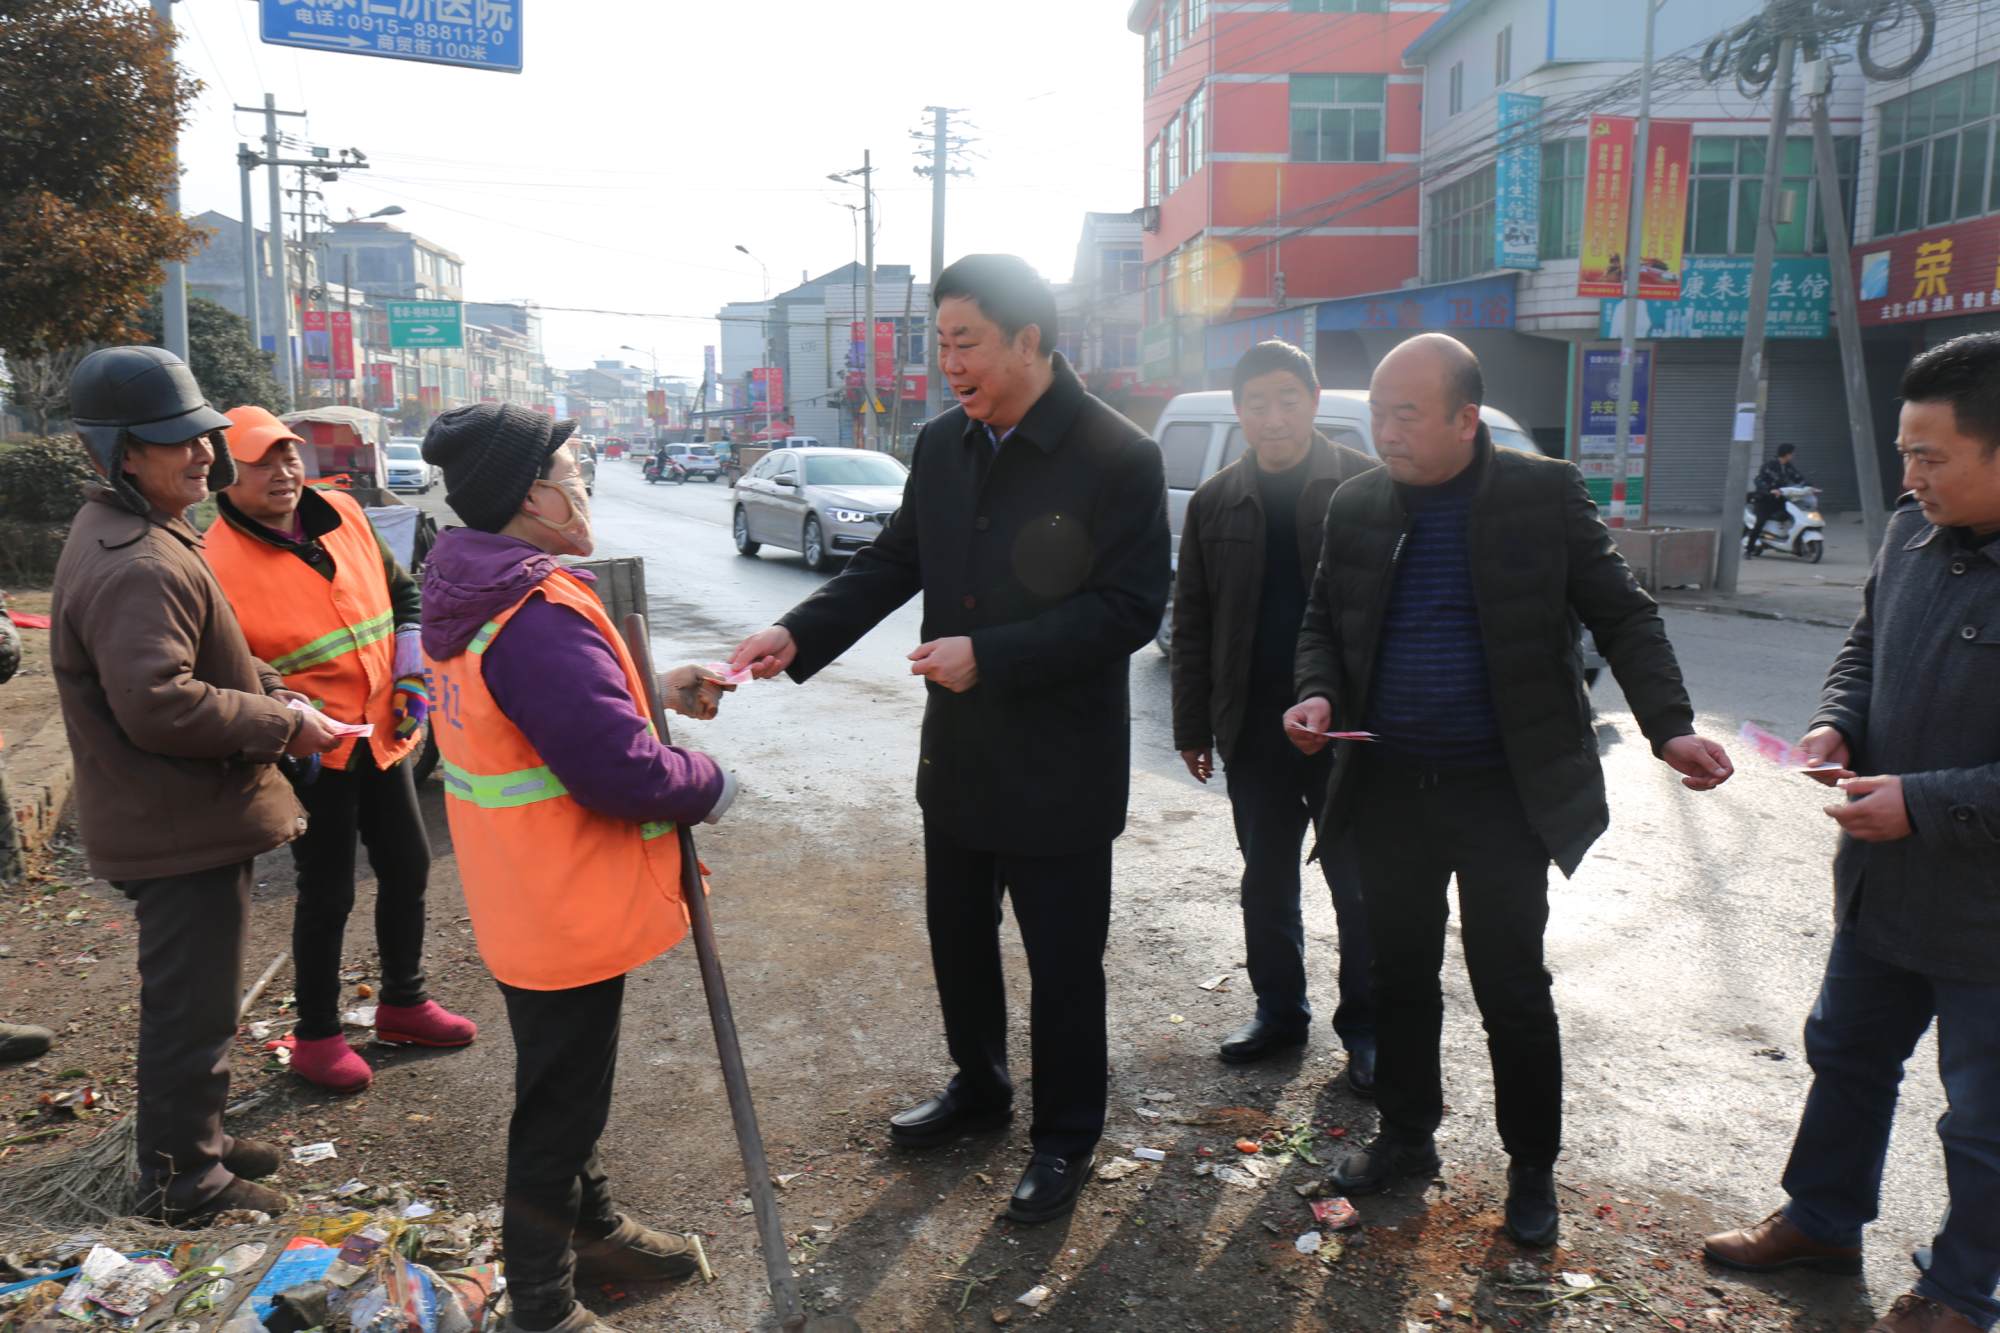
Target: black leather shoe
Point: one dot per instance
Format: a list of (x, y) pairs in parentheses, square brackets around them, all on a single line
[(1373, 1169), (1532, 1214), (1257, 1039), (1049, 1187), (1361, 1072), (943, 1118)]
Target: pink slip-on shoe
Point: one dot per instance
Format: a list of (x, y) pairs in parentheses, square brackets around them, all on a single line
[(426, 1024), (332, 1064)]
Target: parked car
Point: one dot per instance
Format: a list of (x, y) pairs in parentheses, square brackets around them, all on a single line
[(1199, 436), (407, 469), (698, 460), (823, 503)]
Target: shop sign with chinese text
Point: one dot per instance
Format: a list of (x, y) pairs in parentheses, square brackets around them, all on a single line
[(1927, 274)]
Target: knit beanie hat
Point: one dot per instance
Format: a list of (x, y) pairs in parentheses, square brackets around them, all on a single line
[(491, 454)]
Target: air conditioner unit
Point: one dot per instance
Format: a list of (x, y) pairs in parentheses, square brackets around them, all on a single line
[(1149, 218)]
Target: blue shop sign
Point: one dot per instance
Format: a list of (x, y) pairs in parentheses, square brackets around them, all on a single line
[(1483, 303), (1228, 342)]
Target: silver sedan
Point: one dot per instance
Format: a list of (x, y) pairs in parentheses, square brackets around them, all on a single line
[(824, 503)]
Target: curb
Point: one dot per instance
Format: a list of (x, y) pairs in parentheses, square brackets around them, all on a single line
[(1754, 613), (40, 773)]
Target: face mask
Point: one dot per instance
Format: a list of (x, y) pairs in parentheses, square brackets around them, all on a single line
[(576, 531)]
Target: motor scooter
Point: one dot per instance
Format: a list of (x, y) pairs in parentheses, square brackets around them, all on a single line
[(1801, 533), (662, 467)]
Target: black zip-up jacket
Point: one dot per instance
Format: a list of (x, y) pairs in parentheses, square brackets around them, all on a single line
[(1913, 691), (1220, 586), (1542, 560)]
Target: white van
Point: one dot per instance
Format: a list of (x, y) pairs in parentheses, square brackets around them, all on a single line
[(1199, 436)]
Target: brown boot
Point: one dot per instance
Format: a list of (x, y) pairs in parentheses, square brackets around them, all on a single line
[(251, 1159), (237, 1194), (632, 1253), (1775, 1243), (1914, 1314)]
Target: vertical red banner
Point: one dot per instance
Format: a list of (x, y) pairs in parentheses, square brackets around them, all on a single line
[(380, 377), (313, 326), (1663, 225), (886, 360), (343, 344), (1607, 194)]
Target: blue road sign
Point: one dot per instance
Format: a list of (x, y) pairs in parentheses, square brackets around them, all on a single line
[(477, 34)]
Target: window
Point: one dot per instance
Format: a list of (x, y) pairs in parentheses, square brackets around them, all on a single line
[(1197, 12), (1236, 446), (1563, 164), (1173, 141), (1197, 131), (1455, 89), (1120, 347), (1337, 117), (1340, 6), (1152, 56), (1119, 270), (1728, 182), (1171, 25), (1936, 161), (1503, 56), (859, 469), (1461, 227), (1153, 172), (1184, 451)]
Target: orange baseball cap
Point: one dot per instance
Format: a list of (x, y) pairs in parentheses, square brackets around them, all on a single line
[(253, 430)]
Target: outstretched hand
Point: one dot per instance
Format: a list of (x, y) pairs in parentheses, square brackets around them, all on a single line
[(1702, 764)]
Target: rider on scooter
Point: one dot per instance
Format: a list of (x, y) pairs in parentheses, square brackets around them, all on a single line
[(1767, 492)]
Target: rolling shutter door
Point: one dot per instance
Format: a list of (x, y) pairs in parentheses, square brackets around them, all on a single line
[(1694, 404)]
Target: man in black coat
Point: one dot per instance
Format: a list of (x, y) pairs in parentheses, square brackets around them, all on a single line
[(1909, 723), (1034, 524), (1443, 619)]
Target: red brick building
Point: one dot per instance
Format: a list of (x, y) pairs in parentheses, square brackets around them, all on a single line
[(1275, 135)]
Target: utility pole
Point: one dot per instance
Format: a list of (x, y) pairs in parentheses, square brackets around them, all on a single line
[(896, 393), (347, 314), (872, 418), (1621, 455), (1846, 312), (1750, 371), (173, 293), (252, 299), (281, 327), (942, 145)]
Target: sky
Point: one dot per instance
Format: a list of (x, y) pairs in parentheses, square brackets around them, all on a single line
[(644, 140)]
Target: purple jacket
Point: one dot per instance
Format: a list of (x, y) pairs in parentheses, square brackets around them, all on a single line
[(554, 676)]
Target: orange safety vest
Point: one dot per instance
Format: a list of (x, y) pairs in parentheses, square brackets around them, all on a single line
[(560, 895), (333, 640)]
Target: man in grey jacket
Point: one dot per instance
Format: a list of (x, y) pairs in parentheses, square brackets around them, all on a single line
[(1910, 718)]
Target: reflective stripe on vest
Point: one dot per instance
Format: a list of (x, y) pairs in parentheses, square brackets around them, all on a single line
[(505, 791), (339, 643)]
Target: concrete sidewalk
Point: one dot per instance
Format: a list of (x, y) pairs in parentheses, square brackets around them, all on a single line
[(1783, 587)]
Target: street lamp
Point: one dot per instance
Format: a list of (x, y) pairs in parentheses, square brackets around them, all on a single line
[(654, 383), (391, 211), (764, 329), (760, 264)]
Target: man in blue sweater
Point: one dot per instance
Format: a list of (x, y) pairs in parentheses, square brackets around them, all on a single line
[(1443, 619)]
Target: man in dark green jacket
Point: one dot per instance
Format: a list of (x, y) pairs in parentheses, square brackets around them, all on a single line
[(1248, 548), (1443, 619)]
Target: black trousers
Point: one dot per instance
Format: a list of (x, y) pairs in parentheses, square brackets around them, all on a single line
[(1063, 904), (565, 1054), (1275, 795), (191, 930), (381, 806), (1414, 828)]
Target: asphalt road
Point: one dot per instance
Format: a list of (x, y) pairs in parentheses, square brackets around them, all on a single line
[(1686, 950)]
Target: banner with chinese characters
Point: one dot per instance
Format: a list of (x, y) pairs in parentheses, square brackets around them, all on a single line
[(318, 347), (1663, 224), (1597, 425), (341, 327), (1517, 183), (1715, 301), (1607, 194), (1927, 274)]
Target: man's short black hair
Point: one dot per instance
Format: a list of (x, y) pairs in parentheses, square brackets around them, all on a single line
[(1787, 450), (1964, 372), (1273, 354), (1006, 290)]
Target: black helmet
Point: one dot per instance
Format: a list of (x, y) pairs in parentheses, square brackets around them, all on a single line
[(150, 394)]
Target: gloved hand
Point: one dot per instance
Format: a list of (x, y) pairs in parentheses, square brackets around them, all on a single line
[(409, 651), (409, 704)]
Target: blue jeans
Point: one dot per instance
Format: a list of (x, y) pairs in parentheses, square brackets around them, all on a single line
[(1868, 1019), (1275, 794)]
